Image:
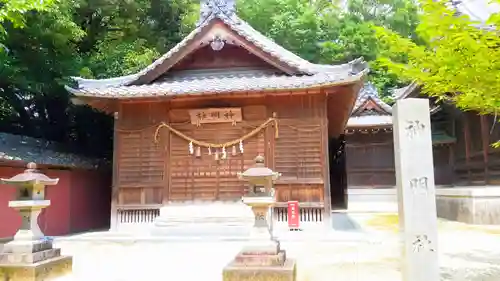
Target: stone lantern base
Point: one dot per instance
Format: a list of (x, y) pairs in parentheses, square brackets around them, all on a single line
[(261, 264), (261, 259), (33, 261)]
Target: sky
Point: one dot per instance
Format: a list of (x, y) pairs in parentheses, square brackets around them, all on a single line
[(478, 10)]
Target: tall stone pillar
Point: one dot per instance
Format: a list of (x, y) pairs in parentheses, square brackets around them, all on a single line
[(416, 190)]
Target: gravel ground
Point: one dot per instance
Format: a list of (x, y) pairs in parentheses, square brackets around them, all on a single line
[(466, 254)]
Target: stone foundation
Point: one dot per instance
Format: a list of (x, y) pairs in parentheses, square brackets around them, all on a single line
[(474, 205), (33, 261), (261, 262), (41, 271), (237, 272)]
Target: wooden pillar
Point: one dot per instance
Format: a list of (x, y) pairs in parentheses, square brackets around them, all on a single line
[(452, 152), (467, 146), (270, 139), (485, 144), (451, 162), (326, 167), (114, 188), (166, 166)]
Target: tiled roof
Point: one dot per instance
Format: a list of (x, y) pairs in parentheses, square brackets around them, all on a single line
[(370, 92), (406, 91), (411, 91), (319, 74), (362, 118), (27, 149), (213, 82)]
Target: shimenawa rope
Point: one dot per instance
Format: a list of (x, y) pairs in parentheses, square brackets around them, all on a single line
[(252, 133)]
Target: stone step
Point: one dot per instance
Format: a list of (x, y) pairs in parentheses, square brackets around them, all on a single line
[(204, 219), (260, 260), (24, 246), (29, 258)]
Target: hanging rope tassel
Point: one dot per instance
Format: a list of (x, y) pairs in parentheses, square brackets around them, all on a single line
[(276, 134), (276, 130), (224, 154)]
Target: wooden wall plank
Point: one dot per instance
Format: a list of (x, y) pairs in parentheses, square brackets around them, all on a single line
[(140, 161), (154, 173)]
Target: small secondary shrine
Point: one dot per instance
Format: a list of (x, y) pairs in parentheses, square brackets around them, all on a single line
[(369, 142), (189, 122)]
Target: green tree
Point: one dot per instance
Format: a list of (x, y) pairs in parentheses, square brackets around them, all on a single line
[(107, 38), (460, 60), (98, 39), (14, 11), (327, 33), (125, 36), (358, 39), (39, 60), (298, 25)]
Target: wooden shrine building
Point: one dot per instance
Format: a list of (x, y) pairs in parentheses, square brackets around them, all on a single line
[(464, 138), (189, 122), (369, 148), (466, 166), (461, 143), (369, 143)]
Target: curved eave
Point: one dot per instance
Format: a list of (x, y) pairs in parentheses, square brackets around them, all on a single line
[(21, 180), (405, 92), (153, 90), (355, 66), (75, 100), (109, 82)]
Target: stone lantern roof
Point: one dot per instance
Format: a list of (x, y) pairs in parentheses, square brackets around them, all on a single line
[(30, 176), (259, 170)]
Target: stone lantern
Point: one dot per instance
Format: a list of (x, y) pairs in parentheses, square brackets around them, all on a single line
[(262, 258), (260, 196), (29, 256)]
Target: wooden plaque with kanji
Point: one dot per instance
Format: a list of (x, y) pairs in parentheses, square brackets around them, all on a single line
[(215, 115)]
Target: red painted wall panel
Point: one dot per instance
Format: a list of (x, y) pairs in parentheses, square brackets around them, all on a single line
[(10, 220), (90, 200), (79, 202), (54, 220)]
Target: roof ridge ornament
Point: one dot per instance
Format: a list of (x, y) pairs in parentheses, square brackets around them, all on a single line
[(216, 7)]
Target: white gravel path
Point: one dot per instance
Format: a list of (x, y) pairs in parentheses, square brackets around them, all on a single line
[(467, 256), (467, 253)]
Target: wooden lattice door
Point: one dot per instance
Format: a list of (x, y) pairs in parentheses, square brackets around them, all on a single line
[(205, 177)]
